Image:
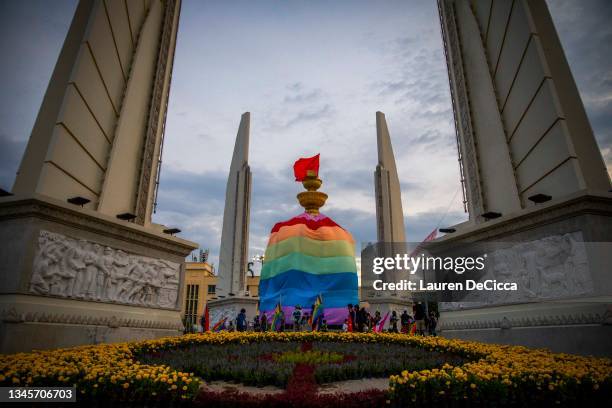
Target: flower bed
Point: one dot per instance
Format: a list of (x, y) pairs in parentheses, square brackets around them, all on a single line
[(272, 362), (506, 375)]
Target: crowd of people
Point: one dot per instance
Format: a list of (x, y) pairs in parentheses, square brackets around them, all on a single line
[(359, 319), (420, 322)]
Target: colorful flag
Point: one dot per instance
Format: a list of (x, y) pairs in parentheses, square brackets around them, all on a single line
[(317, 311), (206, 326), (381, 324), (301, 241), (220, 325), (277, 318), (413, 329), (304, 166)]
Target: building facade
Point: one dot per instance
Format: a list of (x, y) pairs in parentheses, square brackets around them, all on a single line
[(201, 286)]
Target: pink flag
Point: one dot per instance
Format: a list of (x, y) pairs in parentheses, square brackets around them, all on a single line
[(381, 325)]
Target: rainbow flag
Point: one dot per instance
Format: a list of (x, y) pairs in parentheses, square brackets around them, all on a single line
[(317, 311), (220, 325), (307, 256), (277, 318), (412, 329)]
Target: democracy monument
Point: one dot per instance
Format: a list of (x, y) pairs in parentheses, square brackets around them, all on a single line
[(82, 262)]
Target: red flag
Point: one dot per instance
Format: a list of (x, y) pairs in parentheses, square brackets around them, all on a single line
[(350, 324), (303, 166), (206, 320)]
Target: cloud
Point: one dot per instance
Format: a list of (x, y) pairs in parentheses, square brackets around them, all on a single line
[(298, 95), (311, 114)]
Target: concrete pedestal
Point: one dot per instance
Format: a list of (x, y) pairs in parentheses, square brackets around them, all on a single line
[(230, 307), (71, 276), (569, 309)]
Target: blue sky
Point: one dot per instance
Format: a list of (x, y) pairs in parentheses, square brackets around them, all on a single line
[(312, 74)]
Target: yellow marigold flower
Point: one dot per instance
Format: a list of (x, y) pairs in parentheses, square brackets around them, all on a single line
[(472, 385)]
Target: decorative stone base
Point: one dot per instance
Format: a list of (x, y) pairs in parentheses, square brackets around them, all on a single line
[(230, 307), (71, 276), (577, 327), (573, 320), (36, 322)]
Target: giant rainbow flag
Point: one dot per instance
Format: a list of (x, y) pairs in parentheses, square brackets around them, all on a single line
[(307, 256)]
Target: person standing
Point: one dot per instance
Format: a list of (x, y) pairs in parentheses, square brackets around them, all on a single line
[(433, 322), (256, 324), (393, 322), (419, 318), (351, 320), (297, 318), (377, 318), (264, 323), (358, 317), (281, 327), (241, 321), (304, 321), (405, 322), (364, 319), (323, 325)]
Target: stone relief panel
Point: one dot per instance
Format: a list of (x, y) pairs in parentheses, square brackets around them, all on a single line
[(225, 312), (553, 267), (81, 269)]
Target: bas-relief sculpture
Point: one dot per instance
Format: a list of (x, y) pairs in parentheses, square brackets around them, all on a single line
[(86, 270), (229, 312), (553, 267)]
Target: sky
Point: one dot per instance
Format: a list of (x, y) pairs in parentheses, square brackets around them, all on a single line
[(312, 74)]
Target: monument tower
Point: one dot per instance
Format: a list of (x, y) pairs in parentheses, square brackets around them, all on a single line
[(390, 228), (81, 260), (533, 176), (389, 213), (233, 254)]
